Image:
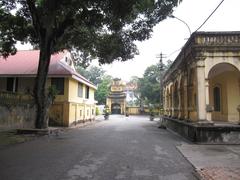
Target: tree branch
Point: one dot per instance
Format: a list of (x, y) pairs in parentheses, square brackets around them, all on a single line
[(59, 31), (35, 16)]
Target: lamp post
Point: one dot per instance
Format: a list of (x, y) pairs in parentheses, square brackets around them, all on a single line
[(172, 16)]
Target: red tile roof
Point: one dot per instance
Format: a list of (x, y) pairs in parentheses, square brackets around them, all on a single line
[(25, 64)]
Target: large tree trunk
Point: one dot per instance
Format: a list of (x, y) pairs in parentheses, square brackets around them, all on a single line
[(40, 94)]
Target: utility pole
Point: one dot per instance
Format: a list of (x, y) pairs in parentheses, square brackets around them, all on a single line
[(161, 57)]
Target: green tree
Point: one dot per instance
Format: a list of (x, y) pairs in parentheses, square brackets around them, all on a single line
[(149, 89), (92, 73), (95, 74), (103, 89), (104, 29), (83, 71)]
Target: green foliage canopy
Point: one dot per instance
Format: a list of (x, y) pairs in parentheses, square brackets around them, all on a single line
[(103, 89), (105, 29), (149, 85)]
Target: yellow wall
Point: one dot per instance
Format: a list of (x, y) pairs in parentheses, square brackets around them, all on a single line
[(73, 92), (117, 88), (68, 108), (233, 97), (80, 109), (230, 96), (133, 110), (64, 97)]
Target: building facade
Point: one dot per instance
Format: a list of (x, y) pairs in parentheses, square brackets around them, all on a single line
[(116, 100), (74, 101), (203, 83)]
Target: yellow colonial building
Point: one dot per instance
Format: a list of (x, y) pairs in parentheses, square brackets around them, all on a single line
[(202, 86), (203, 83), (74, 102)]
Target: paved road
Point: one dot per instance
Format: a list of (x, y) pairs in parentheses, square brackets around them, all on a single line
[(122, 148)]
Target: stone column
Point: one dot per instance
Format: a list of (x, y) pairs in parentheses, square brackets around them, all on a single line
[(185, 98), (172, 99), (208, 107), (201, 92), (164, 101), (179, 101)]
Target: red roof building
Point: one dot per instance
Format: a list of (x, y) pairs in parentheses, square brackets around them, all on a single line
[(25, 64), (74, 102)]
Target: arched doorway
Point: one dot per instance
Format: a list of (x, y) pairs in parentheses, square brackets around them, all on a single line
[(224, 92), (116, 108)]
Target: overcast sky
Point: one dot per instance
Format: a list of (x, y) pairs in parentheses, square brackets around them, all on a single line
[(171, 34)]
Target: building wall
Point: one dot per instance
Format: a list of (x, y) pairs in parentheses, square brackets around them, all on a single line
[(67, 109), (80, 108), (233, 93), (204, 69), (25, 84), (219, 81), (3, 82), (16, 111), (133, 110), (17, 116), (230, 96)]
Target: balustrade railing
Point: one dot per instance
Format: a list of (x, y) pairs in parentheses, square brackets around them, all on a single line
[(218, 39), (9, 98)]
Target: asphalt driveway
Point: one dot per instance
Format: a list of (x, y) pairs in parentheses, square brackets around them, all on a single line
[(121, 148)]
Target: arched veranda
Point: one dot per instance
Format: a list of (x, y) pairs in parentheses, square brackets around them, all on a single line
[(224, 92)]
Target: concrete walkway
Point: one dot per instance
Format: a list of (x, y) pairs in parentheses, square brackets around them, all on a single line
[(214, 162)]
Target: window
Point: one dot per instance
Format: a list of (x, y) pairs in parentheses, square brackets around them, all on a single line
[(80, 113), (80, 89), (59, 85), (92, 111), (87, 92), (217, 99), (12, 84)]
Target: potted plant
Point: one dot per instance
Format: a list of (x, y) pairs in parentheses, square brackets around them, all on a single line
[(151, 113), (106, 112), (127, 113)]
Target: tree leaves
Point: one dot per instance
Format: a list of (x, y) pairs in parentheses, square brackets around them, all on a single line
[(149, 86), (103, 28)]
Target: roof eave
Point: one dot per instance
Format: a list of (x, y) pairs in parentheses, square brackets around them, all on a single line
[(84, 82)]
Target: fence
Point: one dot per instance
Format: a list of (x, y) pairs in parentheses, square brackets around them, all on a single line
[(15, 99)]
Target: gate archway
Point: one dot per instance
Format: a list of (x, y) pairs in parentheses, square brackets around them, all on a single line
[(116, 108)]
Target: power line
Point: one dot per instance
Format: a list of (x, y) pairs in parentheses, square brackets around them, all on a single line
[(199, 26), (210, 15), (169, 55)]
